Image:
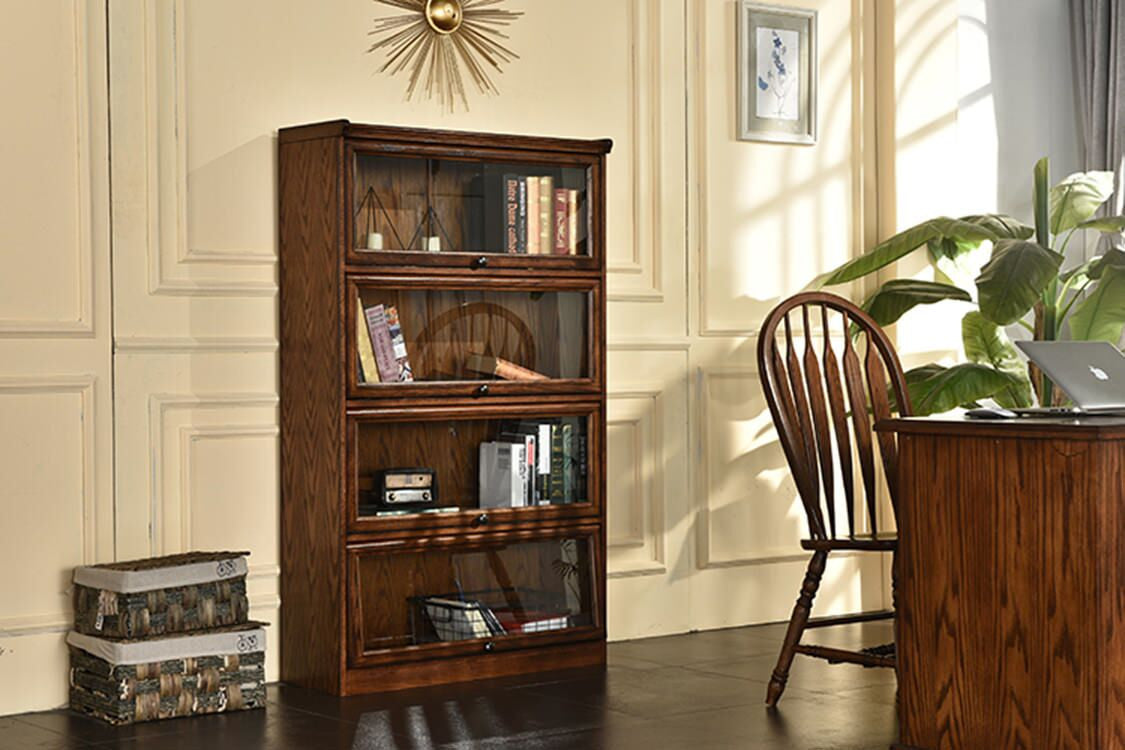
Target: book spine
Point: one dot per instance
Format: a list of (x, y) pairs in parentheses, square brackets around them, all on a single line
[(398, 342), (521, 219), (562, 223), (546, 219), (511, 213), (556, 483), (532, 475), (532, 215), (582, 492), (572, 222), (368, 370), (382, 344), (519, 475), (568, 475), (543, 470)]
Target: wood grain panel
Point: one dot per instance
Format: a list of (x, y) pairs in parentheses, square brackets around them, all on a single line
[(1010, 587), (311, 418)]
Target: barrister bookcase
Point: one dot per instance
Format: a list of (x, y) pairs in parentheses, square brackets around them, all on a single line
[(439, 292)]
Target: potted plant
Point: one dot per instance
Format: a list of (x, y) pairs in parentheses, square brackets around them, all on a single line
[(1015, 279)]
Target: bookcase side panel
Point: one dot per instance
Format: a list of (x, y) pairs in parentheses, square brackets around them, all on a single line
[(311, 413)]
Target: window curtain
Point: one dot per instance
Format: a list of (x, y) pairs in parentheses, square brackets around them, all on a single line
[(1098, 27)]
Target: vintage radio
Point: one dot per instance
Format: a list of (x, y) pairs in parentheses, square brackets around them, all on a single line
[(402, 489)]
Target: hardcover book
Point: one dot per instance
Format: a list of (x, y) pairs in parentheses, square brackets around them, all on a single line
[(368, 370), (562, 223), (532, 215), (511, 213), (546, 214), (385, 361)]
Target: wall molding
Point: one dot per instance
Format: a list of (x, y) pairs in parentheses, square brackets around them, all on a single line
[(83, 386), (185, 345), (190, 436), (166, 150), (159, 406), (645, 126), (707, 558), (83, 325), (649, 482)]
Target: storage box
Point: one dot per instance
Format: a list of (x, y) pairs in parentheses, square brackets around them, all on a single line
[(123, 682), (161, 595)]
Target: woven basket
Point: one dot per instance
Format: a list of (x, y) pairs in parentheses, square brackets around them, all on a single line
[(162, 595), (232, 679)]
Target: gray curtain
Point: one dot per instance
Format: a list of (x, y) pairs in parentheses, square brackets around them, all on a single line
[(1099, 51)]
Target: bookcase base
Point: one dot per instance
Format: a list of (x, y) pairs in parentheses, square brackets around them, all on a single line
[(471, 668)]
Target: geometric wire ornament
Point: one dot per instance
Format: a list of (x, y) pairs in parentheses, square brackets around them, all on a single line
[(436, 38)]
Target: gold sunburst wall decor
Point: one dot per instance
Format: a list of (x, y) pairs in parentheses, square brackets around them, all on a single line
[(434, 39)]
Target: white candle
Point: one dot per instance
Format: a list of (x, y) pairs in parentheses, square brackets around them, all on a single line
[(374, 241), (433, 244)]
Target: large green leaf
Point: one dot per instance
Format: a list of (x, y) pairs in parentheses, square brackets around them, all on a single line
[(1094, 267), (894, 298), (906, 242), (1001, 225), (986, 344), (1077, 198), (1012, 281), (1107, 224), (1101, 316), (935, 389)]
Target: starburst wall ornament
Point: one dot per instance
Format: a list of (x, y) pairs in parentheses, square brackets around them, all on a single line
[(435, 39)]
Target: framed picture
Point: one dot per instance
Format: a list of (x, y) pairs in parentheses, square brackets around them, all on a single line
[(777, 65)]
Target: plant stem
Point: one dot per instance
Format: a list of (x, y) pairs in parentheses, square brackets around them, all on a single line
[(1070, 304), (1027, 325)]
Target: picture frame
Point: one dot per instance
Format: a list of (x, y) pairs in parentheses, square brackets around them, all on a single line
[(777, 73)]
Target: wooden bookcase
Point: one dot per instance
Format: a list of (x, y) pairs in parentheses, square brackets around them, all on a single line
[(373, 599)]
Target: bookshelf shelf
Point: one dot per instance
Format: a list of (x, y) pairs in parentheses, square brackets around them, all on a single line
[(442, 405)]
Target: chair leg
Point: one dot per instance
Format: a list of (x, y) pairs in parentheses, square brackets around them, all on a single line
[(797, 623)]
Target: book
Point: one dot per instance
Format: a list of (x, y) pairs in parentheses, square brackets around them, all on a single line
[(569, 474), (572, 222), (538, 434), (558, 468), (532, 215), (521, 219), (381, 343), (486, 211), (546, 215), (501, 368), (368, 370), (562, 223), (530, 621), (398, 345), (511, 213), (502, 475)]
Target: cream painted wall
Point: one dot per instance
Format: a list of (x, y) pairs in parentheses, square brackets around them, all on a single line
[(705, 234)]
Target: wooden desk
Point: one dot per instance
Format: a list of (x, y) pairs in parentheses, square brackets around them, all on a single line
[(1011, 585)]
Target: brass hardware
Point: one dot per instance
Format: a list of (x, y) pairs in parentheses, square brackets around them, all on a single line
[(444, 16)]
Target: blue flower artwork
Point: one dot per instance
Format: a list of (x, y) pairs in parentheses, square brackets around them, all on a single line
[(777, 73)]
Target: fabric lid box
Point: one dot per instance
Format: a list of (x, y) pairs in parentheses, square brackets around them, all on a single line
[(161, 595), (123, 682)]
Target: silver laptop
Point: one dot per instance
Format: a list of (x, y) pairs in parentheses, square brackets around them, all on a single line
[(1092, 373)]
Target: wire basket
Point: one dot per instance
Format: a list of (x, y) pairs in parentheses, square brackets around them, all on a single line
[(487, 613)]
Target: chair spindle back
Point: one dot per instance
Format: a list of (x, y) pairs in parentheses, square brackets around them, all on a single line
[(822, 399)]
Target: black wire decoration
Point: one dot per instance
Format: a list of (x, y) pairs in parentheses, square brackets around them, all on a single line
[(372, 202), (428, 222)]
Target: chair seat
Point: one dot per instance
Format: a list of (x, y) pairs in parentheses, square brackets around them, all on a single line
[(884, 541)]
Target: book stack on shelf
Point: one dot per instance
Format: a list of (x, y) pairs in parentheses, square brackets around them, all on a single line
[(534, 462), (382, 347), (539, 218)]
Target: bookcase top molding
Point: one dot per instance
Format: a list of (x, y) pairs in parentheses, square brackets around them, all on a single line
[(425, 136)]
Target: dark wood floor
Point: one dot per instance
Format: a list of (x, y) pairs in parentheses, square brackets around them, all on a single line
[(702, 691)]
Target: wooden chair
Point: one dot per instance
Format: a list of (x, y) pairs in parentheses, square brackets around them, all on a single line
[(819, 417)]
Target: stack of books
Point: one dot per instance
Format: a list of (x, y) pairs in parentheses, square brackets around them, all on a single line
[(526, 214), (382, 346), (534, 462)]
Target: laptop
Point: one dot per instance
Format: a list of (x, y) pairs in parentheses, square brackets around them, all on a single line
[(1091, 373)]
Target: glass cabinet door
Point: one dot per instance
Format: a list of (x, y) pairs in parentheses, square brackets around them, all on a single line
[(472, 468), (472, 597), (429, 211), (472, 338)]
